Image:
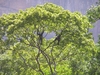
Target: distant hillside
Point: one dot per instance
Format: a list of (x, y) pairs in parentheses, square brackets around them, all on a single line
[(72, 5)]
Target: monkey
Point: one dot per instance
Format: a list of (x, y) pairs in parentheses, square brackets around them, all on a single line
[(40, 34), (58, 38)]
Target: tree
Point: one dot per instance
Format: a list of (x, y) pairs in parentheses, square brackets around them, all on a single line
[(93, 16), (93, 13), (98, 57), (26, 50)]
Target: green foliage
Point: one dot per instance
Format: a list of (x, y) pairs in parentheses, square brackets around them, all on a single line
[(94, 13), (27, 51)]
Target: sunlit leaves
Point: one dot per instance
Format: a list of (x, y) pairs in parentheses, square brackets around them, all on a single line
[(94, 14)]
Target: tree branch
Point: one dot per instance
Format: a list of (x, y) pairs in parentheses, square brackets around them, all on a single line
[(38, 63)]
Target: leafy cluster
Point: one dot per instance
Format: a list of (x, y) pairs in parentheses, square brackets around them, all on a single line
[(94, 13)]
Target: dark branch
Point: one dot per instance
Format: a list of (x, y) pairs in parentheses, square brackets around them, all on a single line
[(38, 63)]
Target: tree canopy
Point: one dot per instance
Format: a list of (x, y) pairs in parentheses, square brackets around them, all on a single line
[(26, 50)]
